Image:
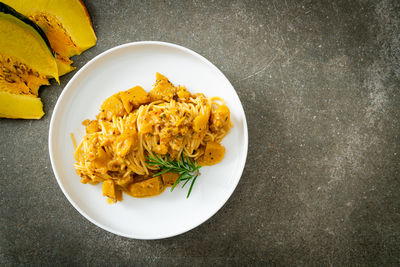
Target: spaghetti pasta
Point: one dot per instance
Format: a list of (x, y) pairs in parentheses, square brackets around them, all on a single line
[(168, 121)]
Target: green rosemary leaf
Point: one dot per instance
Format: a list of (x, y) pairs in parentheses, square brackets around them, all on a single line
[(161, 172), (186, 167), (191, 186), (187, 180)]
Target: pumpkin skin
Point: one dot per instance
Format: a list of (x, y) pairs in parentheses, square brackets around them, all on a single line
[(66, 24), (27, 62)]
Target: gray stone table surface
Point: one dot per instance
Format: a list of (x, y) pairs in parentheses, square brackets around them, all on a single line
[(319, 82)]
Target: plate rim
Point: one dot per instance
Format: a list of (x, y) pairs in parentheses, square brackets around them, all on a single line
[(56, 112)]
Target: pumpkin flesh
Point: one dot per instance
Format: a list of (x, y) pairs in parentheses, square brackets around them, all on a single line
[(20, 106), (18, 78), (22, 42)]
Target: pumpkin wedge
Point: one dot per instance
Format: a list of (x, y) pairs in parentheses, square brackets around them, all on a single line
[(66, 23), (23, 40), (14, 106), (26, 63)]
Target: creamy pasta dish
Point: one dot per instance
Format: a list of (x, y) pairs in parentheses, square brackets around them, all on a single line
[(140, 143)]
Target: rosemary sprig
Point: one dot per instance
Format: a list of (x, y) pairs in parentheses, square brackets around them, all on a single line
[(187, 168)]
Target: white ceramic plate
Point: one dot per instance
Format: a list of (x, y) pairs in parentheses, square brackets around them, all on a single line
[(119, 69)]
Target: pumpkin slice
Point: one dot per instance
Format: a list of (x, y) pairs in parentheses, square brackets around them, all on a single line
[(27, 62), (20, 106), (146, 188), (23, 40), (213, 154), (66, 23)]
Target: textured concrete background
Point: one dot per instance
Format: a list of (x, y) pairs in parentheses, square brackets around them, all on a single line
[(319, 82)]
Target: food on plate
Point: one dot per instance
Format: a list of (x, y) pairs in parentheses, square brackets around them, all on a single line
[(140, 143), (27, 62), (66, 24)]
